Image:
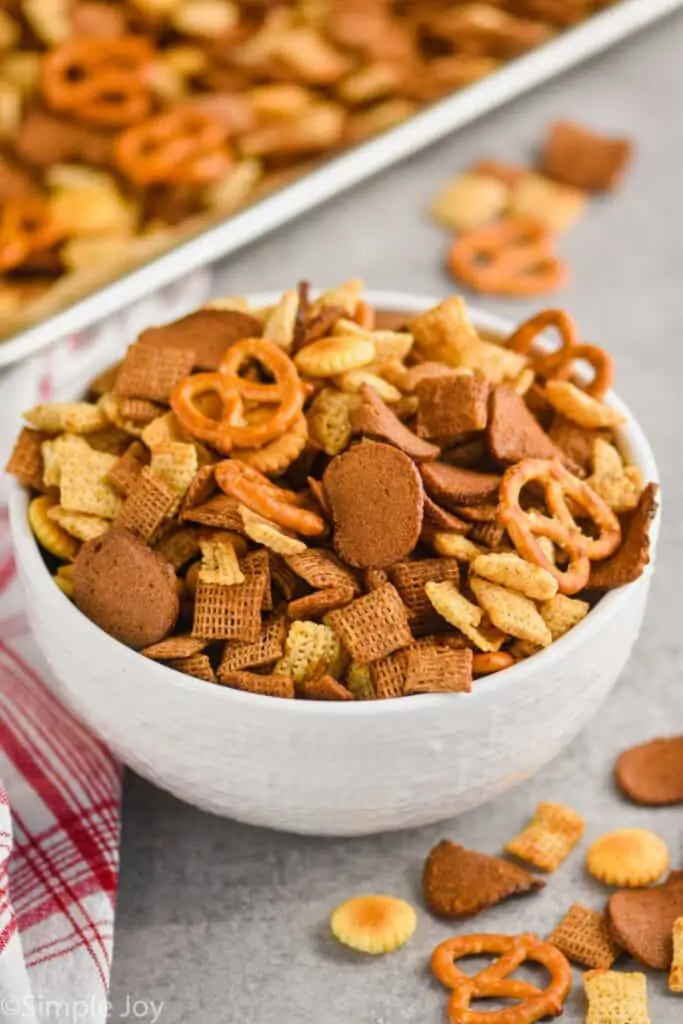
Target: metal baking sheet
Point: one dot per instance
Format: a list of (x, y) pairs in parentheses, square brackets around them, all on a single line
[(342, 172)]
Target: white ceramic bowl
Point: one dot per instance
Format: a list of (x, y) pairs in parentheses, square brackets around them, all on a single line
[(325, 768)]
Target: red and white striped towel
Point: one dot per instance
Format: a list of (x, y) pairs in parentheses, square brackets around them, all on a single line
[(59, 838), (59, 787)]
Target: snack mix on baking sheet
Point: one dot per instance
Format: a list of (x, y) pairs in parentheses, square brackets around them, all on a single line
[(319, 501), (506, 217), (127, 124)]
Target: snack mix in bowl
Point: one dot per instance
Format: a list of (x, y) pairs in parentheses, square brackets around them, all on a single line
[(128, 125), (312, 500)]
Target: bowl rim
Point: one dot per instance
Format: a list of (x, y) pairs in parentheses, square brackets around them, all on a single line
[(28, 556)]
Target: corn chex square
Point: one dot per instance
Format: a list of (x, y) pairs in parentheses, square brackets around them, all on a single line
[(152, 373)]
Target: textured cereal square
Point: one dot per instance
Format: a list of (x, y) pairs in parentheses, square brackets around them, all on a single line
[(435, 669), (388, 675), (319, 603), (152, 373), (139, 410), (178, 545), (197, 665), (78, 524), (221, 512), (84, 486), (265, 651), (257, 564), (410, 578), (321, 570), (229, 612), (549, 838), (615, 997), (266, 686), (68, 417), (127, 468), (374, 625), (26, 461), (584, 937), (176, 464), (175, 647), (148, 504), (324, 688), (289, 585)]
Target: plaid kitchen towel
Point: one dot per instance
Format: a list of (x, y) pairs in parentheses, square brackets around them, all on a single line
[(59, 838)]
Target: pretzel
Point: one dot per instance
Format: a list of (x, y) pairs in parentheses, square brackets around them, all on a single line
[(601, 361), (227, 432), (522, 340), (493, 982), (559, 364), (274, 503), (560, 527), (509, 257), (26, 227), (99, 81), (181, 147)]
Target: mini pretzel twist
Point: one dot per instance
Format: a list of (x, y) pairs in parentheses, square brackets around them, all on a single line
[(250, 487), (182, 147), (559, 364), (26, 227), (493, 981), (509, 257), (231, 430), (603, 369), (523, 338), (99, 81), (525, 526)]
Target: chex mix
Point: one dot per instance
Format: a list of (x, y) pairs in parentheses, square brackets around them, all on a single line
[(316, 500), (639, 925), (129, 124)]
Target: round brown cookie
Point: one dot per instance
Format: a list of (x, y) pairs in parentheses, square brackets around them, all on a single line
[(457, 882), (126, 588), (642, 920), (376, 497), (652, 773)]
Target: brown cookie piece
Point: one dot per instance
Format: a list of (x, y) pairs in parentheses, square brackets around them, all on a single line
[(514, 433), (373, 418), (577, 443), (457, 882), (440, 519), (452, 485), (576, 156), (206, 332), (652, 773), (126, 588), (451, 407), (634, 554), (641, 920), (376, 497)]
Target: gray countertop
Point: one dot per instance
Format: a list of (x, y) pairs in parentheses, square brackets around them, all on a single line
[(222, 922)]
